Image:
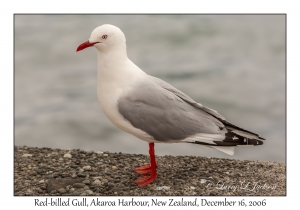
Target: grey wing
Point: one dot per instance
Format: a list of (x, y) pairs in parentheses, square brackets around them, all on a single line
[(157, 110), (185, 97), (231, 128)]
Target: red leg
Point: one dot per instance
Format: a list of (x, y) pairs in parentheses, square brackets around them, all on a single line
[(147, 169)]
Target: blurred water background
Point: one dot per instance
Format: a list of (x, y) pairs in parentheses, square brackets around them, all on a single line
[(234, 64)]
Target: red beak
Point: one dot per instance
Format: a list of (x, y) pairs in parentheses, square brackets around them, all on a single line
[(85, 45)]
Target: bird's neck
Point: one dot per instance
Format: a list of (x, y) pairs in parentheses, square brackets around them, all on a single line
[(114, 68), (110, 58)]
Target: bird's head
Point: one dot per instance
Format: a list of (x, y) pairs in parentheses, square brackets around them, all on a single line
[(104, 37)]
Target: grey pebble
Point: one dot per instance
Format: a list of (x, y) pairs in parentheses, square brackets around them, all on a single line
[(90, 152), (39, 190), (87, 168), (75, 193), (78, 185), (96, 182), (86, 181), (27, 155), (61, 190), (89, 192), (68, 155), (48, 176)]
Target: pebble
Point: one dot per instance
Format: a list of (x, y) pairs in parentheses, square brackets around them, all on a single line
[(75, 193), (99, 152), (27, 155), (105, 155), (192, 187), (163, 188), (39, 190), (97, 182), (203, 181), (41, 181), (89, 192), (68, 155), (86, 181), (90, 152), (114, 167), (79, 185), (87, 168), (61, 190), (81, 175)]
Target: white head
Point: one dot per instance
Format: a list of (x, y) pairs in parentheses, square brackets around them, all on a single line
[(104, 38)]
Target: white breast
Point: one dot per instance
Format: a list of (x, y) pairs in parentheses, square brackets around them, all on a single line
[(110, 86)]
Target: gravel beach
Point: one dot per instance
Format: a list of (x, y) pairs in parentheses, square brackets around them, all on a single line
[(56, 172)]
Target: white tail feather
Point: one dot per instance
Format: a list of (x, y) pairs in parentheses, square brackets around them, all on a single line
[(227, 150)]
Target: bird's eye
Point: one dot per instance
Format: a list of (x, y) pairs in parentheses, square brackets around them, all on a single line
[(104, 36)]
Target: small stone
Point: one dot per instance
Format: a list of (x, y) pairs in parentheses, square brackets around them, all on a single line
[(163, 188), (41, 181), (99, 152), (75, 193), (203, 181), (33, 173), (86, 168), (48, 176), (93, 174), (79, 185), (72, 190), (61, 190), (114, 167), (105, 155), (90, 152), (86, 181), (29, 191), (39, 190), (86, 188), (89, 192), (97, 182), (56, 184), (67, 155), (192, 187), (53, 192), (27, 155), (81, 175), (194, 183)]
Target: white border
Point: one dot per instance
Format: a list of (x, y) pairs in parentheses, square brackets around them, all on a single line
[(128, 6)]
